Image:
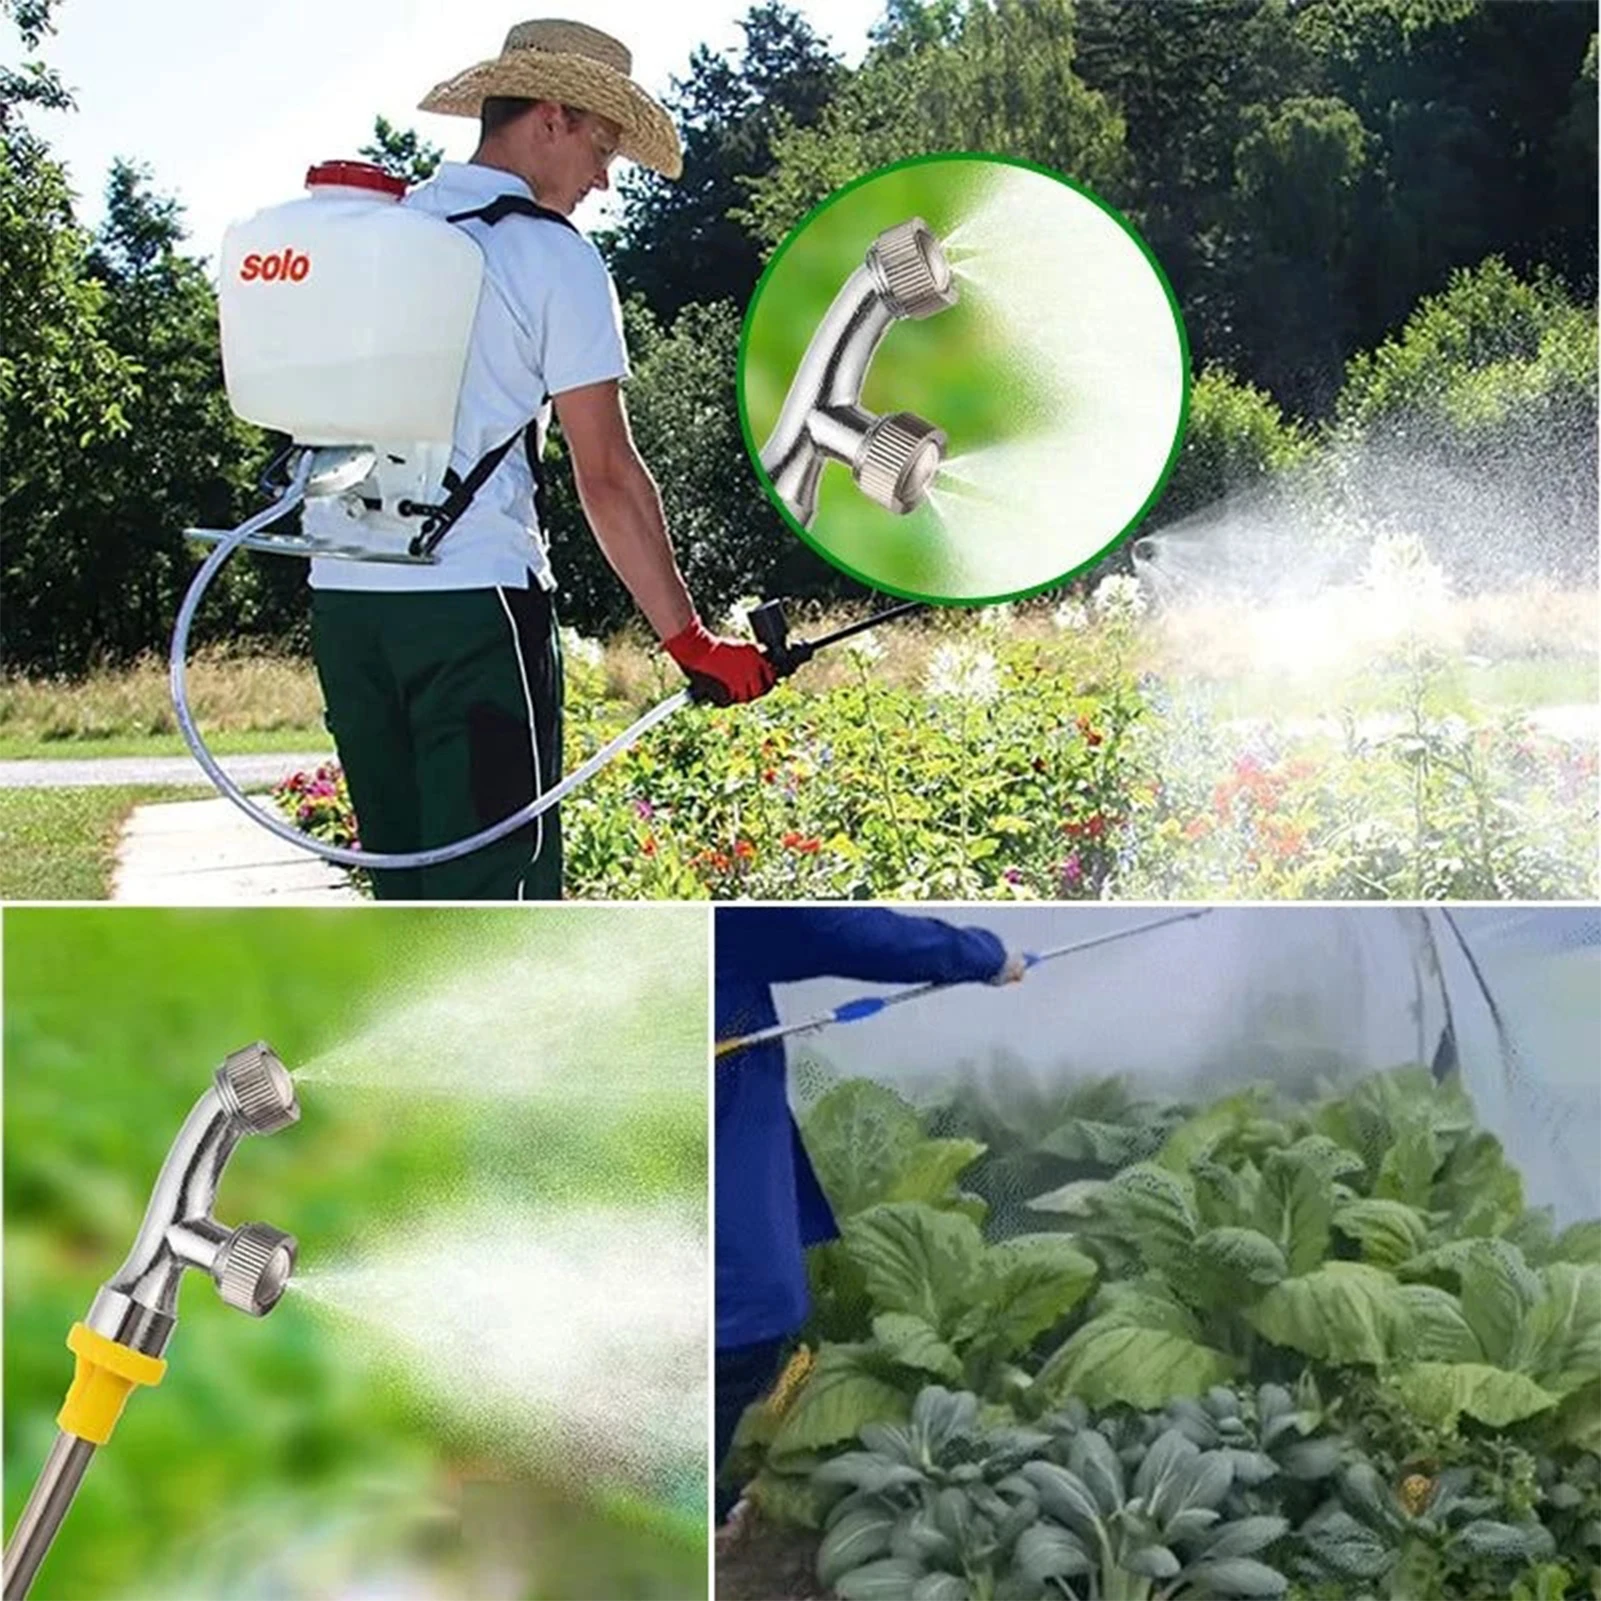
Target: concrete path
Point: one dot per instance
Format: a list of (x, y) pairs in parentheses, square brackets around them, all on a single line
[(208, 853), (68, 773)]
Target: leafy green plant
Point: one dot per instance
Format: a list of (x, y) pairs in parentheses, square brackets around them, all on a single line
[(1414, 1539), (944, 1509)]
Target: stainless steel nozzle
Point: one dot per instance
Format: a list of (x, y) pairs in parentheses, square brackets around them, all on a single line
[(905, 275), (138, 1305), (253, 1268), (911, 271), (899, 458)]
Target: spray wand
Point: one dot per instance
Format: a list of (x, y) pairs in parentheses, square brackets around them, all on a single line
[(118, 1345), (871, 1005), (315, 472)]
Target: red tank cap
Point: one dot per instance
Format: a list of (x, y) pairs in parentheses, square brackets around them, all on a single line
[(355, 175)]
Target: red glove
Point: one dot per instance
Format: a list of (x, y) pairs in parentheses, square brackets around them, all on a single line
[(722, 671)]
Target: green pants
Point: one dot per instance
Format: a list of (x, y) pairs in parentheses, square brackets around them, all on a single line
[(446, 708)]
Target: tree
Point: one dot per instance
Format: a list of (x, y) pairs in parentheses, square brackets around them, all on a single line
[(33, 83), (402, 151), (997, 76), (1484, 406), (680, 241)]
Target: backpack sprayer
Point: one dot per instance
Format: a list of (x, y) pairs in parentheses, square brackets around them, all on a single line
[(346, 320), (871, 1005), (892, 458), (119, 1344)]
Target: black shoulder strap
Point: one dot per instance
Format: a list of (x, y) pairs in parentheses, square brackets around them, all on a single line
[(503, 206), (460, 491)]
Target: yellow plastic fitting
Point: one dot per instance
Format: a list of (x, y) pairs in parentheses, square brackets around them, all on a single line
[(105, 1377)]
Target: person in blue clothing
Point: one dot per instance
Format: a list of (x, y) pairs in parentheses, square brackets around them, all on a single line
[(769, 1204)]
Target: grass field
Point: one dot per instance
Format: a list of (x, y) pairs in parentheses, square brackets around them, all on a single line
[(293, 1456), (61, 844)]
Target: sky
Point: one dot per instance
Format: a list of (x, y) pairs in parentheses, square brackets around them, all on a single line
[(229, 104)]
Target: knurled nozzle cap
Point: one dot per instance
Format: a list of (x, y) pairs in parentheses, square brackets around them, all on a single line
[(257, 1089), (254, 1266), (898, 460), (911, 271)]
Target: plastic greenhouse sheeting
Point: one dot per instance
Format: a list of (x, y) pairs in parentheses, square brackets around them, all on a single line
[(1296, 995)]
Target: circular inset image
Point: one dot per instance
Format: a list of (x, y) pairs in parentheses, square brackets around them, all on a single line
[(963, 378)]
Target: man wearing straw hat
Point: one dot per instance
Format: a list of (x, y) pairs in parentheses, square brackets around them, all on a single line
[(443, 682)]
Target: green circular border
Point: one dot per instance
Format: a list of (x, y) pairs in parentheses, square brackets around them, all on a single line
[(754, 451)]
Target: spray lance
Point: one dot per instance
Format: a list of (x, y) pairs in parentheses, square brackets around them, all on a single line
[(346, 321), (866, 1006), (119, 1344)]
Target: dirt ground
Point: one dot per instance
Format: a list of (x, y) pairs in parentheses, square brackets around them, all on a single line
[(757, 1561)]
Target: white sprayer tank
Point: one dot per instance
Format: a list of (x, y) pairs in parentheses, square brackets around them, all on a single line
[(346, 316)]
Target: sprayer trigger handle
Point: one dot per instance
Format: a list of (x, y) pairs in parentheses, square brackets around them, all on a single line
[(704, 690)]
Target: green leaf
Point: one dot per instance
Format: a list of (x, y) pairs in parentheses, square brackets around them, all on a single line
[(1498, 1291), (1436, 1329), (1514, 1542), (1151, 1562), (1295, 1208), (889, 1579), (1560, 1340), (914, 1344), (916, 1259), (1342, 1312), (941, 1587), (1245, 1537), (1388, 1231), (1437, 1392), (930, 1169), (1480, 1190), (1154, 1209), (1046, 1552), (787, 1499), (1078, 1199), (1234, 1263), (854, 1541), (1235, 1576), (1091, 1457), (860, 1136), (1111, 1145), (1109, 1360), (1579, 1243), (1347, 1547), (1036, 1280), (1578, 1420), (1064, 1496), (839, 1396), (1407, 1171), (942, 1415), (1200, 1135)]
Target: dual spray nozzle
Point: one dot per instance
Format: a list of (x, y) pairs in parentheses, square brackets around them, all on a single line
[(251, 1264), (893, 458)]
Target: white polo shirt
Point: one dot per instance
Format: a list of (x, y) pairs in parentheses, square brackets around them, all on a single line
[(548, 321)]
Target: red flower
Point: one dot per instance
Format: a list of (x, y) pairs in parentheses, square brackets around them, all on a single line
[(649, 847), (744, 850), (802, 843)]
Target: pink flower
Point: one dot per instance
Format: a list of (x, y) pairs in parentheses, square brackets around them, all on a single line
[(644, 810), (1072, 872)]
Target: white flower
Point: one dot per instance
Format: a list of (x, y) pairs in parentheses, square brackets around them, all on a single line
[(864, 649), (586, 652), (1071, 617), (1119, 599), (963, 672), (994, 619)]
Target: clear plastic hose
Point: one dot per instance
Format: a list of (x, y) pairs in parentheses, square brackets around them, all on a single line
[(281, 827)]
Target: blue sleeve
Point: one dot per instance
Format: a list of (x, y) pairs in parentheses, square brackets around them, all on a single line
[(781, 945)]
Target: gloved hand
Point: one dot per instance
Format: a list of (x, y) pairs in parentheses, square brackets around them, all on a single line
[(722, 671), (1012, 969)]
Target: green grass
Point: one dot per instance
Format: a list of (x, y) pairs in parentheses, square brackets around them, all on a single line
[(60, 844), (285, 1456), (16, 747)]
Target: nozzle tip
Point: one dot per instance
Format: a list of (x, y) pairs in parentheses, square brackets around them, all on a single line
[(257, 1089), (911, 271), (254, 1267), (898, 461)]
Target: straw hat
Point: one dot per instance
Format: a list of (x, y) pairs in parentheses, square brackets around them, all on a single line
[(576, 66)]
